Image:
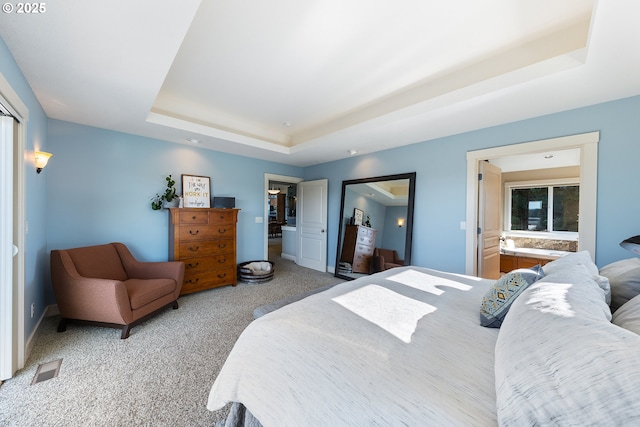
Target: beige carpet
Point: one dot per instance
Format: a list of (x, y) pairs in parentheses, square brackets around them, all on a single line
[(159, 376)]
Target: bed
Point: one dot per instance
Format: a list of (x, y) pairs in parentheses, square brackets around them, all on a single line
[(406, 347)]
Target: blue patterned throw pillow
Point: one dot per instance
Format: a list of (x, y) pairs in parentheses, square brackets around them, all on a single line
[(496, 302)]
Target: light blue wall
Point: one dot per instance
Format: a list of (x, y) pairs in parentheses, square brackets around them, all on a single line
[(100, 184), (36, 255), (440, 167), (394, 237)]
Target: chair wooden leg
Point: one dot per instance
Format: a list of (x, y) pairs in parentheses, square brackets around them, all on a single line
[(125, 332), (175, 305), (62, 326)]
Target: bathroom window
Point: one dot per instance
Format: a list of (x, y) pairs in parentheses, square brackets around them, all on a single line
[(543, 207)]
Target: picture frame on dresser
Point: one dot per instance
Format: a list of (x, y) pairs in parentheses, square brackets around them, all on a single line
[(196, 191), (358, 214)]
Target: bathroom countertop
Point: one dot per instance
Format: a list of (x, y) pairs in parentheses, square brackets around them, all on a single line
[(534, 252)]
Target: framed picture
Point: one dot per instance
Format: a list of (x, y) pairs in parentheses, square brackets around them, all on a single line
[(357, 216), (196, 191)]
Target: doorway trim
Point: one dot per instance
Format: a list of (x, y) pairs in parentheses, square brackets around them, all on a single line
[(272, 177), (15, 317), (588, 145)]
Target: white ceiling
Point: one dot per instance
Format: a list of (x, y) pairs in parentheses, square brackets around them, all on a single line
[(535, 161), (386, 193), (304, 82)]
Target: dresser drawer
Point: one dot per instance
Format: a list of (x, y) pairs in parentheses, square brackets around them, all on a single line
[(361, 264), (205, 232), (207, 263), (366, 232), (365, 240), (193, 217), (364, 250), (204, 248), (208, 279), (222, 216)]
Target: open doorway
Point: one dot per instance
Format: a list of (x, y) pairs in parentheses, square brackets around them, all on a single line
[(280, 217), (586, 144)]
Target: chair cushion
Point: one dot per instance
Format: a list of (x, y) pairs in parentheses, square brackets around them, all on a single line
[(144, 291), (100, 262), (388, 265)]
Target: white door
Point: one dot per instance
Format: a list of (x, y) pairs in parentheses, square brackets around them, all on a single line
[(489, 209), (7, 365), (312, 224)]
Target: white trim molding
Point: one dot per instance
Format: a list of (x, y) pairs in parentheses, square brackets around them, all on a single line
[(588, 145)]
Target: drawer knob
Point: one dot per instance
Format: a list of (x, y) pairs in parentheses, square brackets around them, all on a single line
[(192, 265), (194, 248), (194, 234), (222, 245), (193, 217), (222, 275), (222, 260), (222, 230), (193, 281)]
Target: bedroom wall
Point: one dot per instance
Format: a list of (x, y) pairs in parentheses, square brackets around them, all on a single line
[(100, 184), (393, 236), (36, 256), (440, 164)]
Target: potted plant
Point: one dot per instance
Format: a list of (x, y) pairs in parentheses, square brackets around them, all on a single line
[(168, 199)]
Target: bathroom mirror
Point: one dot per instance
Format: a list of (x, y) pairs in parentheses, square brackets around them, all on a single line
[(376, 221)]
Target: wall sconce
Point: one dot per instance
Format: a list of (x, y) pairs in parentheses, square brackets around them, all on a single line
[(400, 222), (42, 158)]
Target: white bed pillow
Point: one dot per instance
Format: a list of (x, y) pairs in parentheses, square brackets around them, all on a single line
[(624, 277), (560, 361), (628, 316), (580, 258)]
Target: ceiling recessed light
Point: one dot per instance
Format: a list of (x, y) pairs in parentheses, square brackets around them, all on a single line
[(194, 141), (352, 152), (287, 124), (548, 156)]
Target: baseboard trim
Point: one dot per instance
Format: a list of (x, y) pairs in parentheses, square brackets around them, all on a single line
[(52, 310), (288, 257), (31, 341)]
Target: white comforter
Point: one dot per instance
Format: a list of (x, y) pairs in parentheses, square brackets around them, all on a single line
[(402, 347)]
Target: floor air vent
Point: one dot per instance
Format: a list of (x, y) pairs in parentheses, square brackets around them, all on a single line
[(46, 371)]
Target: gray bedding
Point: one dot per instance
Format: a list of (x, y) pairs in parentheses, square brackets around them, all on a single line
[(402, 347)]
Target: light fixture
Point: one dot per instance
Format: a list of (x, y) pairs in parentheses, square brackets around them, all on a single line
[(273, 190), (632, 244), (352, 152), (42, 158), (400, 222), (194, 141)]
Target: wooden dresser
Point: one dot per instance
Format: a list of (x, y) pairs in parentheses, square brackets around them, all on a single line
[(205, 240), (357, 248)]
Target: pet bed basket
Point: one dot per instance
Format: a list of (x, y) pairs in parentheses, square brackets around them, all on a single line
[(255, 271)]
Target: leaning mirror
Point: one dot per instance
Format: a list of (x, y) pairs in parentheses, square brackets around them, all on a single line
[(376, 221)]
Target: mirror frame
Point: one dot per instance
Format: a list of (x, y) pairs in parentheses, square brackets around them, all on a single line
[(411, 176)]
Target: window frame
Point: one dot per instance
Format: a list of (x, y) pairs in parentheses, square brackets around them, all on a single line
[(550, 183)]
